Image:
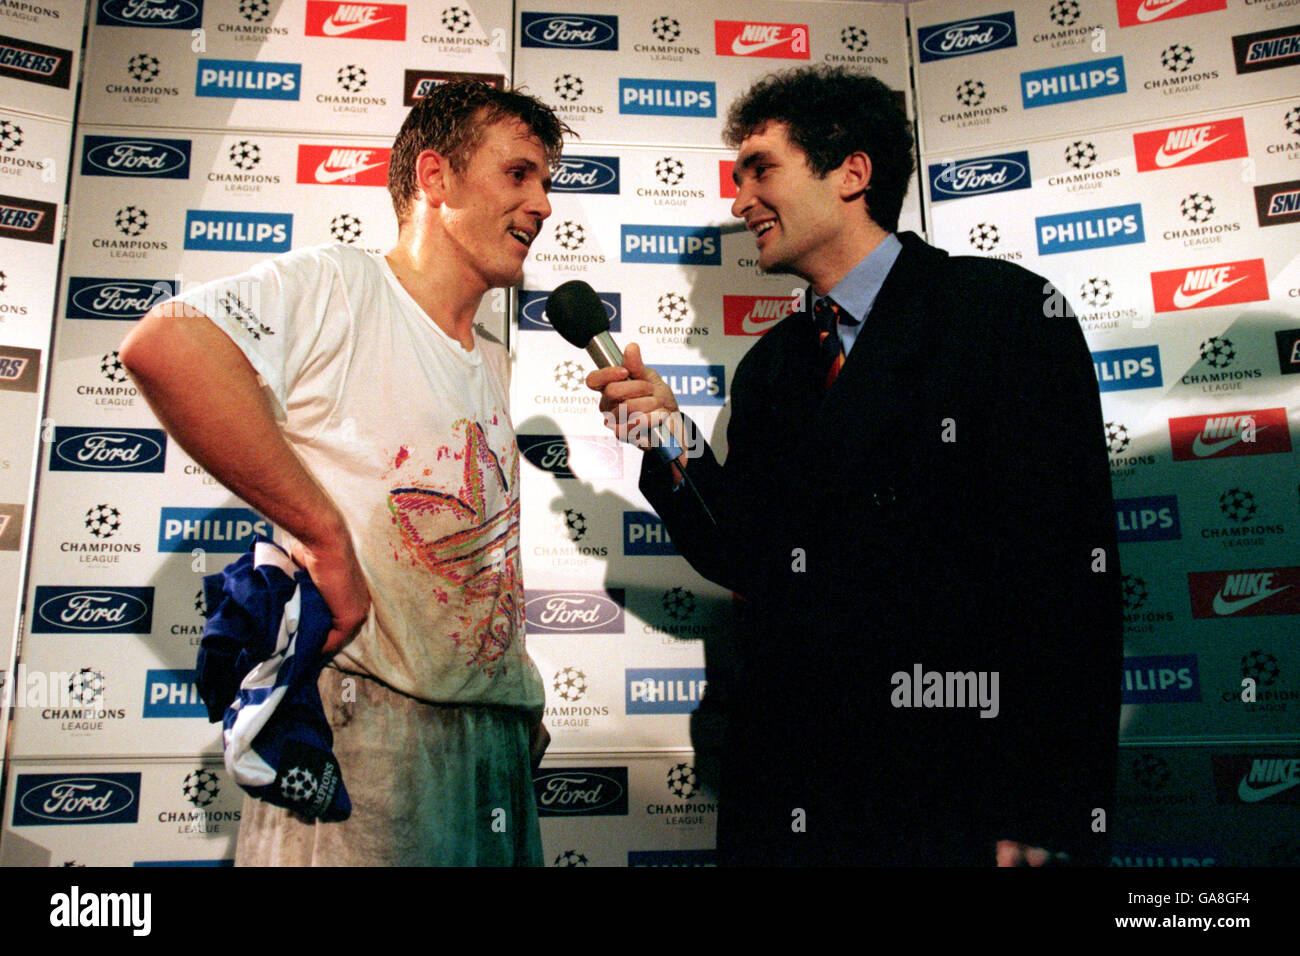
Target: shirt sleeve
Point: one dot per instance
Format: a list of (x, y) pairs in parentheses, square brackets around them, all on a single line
[(279, 315)]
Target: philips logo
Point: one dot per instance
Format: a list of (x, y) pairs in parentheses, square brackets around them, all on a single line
[(172, 693), (574, 612), (664, 690), (696, 384), (581, 791), (569, 31), (647, 97), (974, 177), (1078, 81), (1161, 679), (672, 245), (1147, 519), (644, 534), (963, 37), (1122, 369), (159, 14), (533, 318), (51, 799), (77, 610), (1089, 229), (102, 449), (586, 174), (248, 79), (220, 530), (238, 231), (125, 299)]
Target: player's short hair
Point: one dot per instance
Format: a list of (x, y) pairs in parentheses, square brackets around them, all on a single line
[(831, 112), (452, 119)]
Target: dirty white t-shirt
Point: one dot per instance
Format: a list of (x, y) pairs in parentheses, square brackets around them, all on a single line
[(411, 437)]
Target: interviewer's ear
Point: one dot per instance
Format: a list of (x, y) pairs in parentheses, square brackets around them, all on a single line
[(855, 175)]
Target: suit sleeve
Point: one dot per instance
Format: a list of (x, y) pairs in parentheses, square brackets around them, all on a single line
[(1057, 555), (710, 540)]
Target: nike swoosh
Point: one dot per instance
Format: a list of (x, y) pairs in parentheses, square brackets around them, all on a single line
[(1145, 14), (324, 175), (332, 29), (749, 325), (1223, 606), (1184, 301), (1255, 794), (744, 49), (1165, 160)]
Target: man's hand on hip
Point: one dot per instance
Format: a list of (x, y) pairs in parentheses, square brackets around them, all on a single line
[(334, 570)]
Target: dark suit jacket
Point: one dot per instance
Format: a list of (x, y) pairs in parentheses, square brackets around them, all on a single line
[(946, 504)]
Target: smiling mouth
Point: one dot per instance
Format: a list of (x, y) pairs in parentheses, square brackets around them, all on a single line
[(760, 229), (524, 237)]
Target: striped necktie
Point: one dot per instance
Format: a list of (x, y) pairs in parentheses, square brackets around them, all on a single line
[(828, 317)]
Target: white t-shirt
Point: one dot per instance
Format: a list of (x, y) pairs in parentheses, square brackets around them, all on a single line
[(411, 436)]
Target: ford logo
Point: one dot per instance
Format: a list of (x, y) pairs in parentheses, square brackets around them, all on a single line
[(128, 157), (979, 176), (966, 37), (149, 12), (77, 799), (108, 450), (93, 610), (534, 310), (570, 31), (583, 175), (116, 297), (576, 792), (571, 611)]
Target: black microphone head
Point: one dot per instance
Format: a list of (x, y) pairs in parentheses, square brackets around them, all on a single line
[(576, 312)]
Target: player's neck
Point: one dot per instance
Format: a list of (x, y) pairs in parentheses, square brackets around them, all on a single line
[(448, 295)]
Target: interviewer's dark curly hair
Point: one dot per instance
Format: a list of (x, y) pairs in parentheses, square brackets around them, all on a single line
[(832, 112), (448, 120)]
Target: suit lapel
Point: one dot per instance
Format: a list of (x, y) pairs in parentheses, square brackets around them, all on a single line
[(882, 372)]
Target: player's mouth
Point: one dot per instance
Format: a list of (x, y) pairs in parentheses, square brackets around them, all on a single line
[(522, 236), (760, 229)]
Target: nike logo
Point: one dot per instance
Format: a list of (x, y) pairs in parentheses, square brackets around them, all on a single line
[(1184, 301), (1146, 12), (1255, 794), (332, 29), (1224, 606), (752, 326), (1204, 449), (1165, 160), (740, 48), (326, 175)]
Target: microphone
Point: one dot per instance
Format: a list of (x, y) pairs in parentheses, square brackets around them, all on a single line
[(576, 312)]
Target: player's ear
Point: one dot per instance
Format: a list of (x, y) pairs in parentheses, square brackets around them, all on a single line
[(855, 175), (431, 177)]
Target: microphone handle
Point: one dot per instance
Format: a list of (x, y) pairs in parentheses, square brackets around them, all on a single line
[(604, 351)]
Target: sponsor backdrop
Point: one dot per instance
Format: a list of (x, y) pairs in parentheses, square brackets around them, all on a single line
[(40, 49), (1159, 190), (214, 134)]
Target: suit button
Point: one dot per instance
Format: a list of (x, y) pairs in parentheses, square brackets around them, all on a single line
[(884, 497)]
